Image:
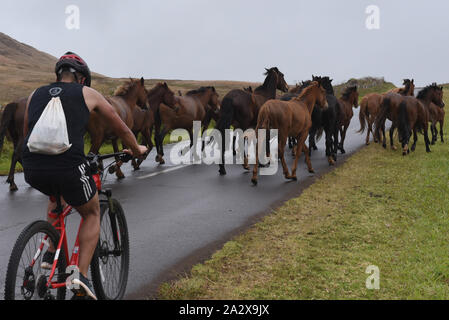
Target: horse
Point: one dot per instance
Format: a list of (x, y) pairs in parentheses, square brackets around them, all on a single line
[(291, 118), (436, 115), (125, 99), (240, 108), (326, 120), (349, 99), (144, 120), (11, 124), (432, 99), (406, 113), (370, 105), (195, 105)]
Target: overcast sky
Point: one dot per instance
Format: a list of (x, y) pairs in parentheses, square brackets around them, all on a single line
[(237, 39)]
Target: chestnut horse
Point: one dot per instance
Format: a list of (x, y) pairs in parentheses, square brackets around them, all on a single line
[(195, 105), (125, 100), (370, 105), (12, 124), (291, 118), (144, 120), (240, 108), (349, 99)]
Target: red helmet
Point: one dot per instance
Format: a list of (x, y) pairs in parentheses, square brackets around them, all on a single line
[(72, 60)]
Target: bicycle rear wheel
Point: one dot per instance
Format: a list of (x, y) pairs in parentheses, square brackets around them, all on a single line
[(110, 264), (26, 280)]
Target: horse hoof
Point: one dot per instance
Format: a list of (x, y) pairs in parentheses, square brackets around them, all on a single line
[(367, 143), (254, 181), (246, 167), (136, 168), (111, 169), (13, 188), (294, 178), (394, 148), (343, 151), (311, 171), (315, 148), (120, 176), (161, 161), (404, 153), (222, 172)]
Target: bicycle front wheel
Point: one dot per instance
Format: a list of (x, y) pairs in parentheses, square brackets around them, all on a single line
[(110, 264), (25, 279)]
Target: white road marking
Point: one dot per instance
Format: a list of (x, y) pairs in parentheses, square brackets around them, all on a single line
[(164, 171)]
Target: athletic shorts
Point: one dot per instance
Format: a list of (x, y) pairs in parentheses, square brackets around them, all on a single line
[(75, 185)]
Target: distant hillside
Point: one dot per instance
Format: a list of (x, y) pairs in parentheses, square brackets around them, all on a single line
[(365, 85), (24, 68)]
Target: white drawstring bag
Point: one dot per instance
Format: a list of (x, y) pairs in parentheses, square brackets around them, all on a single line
[(49, 135)]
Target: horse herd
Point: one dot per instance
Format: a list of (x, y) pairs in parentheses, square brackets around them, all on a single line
[(307, 110)]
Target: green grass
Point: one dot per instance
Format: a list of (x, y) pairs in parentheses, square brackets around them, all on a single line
[(378, 208)]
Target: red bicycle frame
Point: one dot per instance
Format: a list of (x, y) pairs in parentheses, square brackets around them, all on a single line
[(60, 226)]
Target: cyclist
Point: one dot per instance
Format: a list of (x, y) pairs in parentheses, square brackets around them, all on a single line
[(68, 173)]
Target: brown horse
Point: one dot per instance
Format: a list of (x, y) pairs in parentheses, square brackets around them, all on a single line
[(407, 114), (436, 115), (12, 125), (349, 99), (144, 120), (195, 105), (292, 119), (125, 100), (370, 106), (240, 108), (432, 99)]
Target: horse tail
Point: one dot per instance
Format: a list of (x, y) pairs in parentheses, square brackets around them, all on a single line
[(6, 120), (381, 117), (319, 133), (362, 115), (226, 115), (403, 122)]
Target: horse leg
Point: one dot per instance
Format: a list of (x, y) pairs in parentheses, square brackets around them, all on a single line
[(426, 137), (393, 147), (415, 139), (299, 147), (308, 162), (256, 165), (160, 155), (118, 164), (343, 137), (146, 135), (245, 153), (12, 168), (329, 155), (441, 130), (370, 128)]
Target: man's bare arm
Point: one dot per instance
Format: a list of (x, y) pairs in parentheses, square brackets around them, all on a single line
[(96, 102)]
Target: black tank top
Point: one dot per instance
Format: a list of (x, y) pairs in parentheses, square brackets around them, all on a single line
[(77, 117)]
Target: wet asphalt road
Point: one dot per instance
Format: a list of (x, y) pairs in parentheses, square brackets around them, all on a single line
[(177, 216)]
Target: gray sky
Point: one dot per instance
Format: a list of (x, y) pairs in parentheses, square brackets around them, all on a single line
[(236, 39)]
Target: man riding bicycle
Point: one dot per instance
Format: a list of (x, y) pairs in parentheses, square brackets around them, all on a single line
[(68, 174)]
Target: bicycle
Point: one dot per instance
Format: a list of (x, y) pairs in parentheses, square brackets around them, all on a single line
[(113, 245)]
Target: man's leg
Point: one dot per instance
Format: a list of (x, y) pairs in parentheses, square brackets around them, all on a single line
[(89, 232)]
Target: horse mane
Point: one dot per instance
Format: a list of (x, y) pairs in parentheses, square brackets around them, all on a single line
[(200, 90), (156, 87), (124, 89), (307, 90), (326, 83), (423, 93), (267, 80), (347, 93)]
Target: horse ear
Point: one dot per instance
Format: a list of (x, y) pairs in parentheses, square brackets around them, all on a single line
[(165, 85), (330, 80), (413, 80), (142, 81)]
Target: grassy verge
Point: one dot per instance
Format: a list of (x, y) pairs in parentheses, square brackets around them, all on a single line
[(379, 208)]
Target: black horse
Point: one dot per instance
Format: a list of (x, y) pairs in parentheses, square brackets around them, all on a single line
[(327, 121), (240, 108)]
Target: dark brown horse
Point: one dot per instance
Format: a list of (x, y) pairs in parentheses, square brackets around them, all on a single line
[(292, 119), (195, 105), (432, 99), (12, 125), (144, 120), (406, 113), (370, 106), (349, 99), (240, 108), (436, 115), (125, 100)]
